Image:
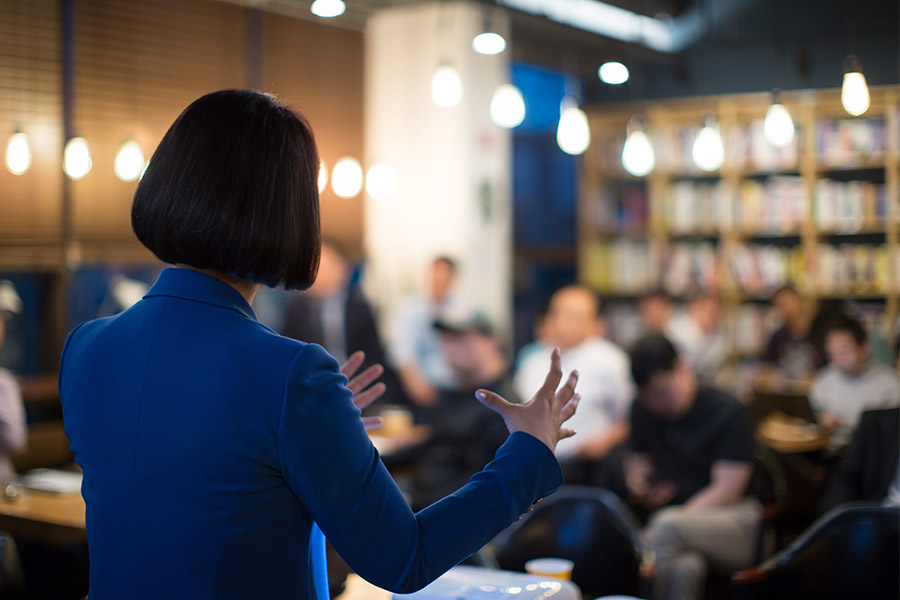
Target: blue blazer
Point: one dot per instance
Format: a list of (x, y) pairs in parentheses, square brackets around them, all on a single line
[(216, 452)]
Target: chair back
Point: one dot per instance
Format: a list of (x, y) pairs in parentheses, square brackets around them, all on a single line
[(589, 526), (851, 552)]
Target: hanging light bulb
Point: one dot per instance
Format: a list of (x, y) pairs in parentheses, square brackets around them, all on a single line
[(323, 176), (778, 126), (18, 153), (446, 87), (507, 106), (638, 157), (489, 43), (573, 134), (613, 73), (77, 158), (347, 177), (855, 91), (381, 182), (129, 163), (708, 152), (328, 8)]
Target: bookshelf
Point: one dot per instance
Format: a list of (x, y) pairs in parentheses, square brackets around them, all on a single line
[(822, 214)]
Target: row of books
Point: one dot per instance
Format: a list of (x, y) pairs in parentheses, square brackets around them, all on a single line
[(620, 210), (630, 266), (777, 205), (848, 142)]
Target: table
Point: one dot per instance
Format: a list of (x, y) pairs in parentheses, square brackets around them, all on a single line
[(471, 582), (49, 517)]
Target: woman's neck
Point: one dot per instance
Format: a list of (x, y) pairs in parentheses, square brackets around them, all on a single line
[(245, 288)]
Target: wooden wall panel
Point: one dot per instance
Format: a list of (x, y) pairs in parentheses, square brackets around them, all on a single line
[(318, 69), (138, 64), (30, 99)]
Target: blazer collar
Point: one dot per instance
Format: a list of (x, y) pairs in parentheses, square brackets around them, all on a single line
[(193, 285)]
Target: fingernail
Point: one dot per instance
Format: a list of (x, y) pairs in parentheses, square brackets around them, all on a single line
[(480, 395)]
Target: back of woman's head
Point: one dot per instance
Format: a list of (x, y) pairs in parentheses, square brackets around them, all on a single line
[(233, 187)]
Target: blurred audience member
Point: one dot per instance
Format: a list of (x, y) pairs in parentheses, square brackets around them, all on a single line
[(691, 452), (604, 384), (541, 339), (869, 470), (851, 383), (13, 434), (696, 334), (655, 309), (465, 433), (336, 315), (415, 346), (790, 348)]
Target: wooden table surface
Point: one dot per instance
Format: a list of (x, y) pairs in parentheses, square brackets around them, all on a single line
[(50, 517)]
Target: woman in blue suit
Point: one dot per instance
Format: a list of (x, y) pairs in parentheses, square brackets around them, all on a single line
[(217, 454)]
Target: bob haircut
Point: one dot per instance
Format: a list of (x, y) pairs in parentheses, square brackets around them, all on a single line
[(233, 187)]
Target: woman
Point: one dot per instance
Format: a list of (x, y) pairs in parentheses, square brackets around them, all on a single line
[(214, 449)]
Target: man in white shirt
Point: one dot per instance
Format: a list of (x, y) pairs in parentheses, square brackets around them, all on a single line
[(415, 346), (696, 335), (851, 383), (604, 379)]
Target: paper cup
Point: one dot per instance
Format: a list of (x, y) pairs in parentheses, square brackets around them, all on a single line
[(559, 568)]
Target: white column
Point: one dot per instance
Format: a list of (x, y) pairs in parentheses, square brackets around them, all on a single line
[(452, 164)]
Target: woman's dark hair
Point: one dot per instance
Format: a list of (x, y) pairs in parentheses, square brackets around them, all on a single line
[(652, 354), (233, 187)]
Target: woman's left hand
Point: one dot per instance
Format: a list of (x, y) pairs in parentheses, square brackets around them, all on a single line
[(364, 393)]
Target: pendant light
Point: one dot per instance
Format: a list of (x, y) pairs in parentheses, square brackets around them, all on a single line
[(328, 9), (855, 91), (347, 177), (77, 158), (613, 73), (18, 153), (446, 86), (573, 135), (708, 152), (381, 181), (129, 163), (489, 41), (507, 106), (638, 157), (778, 127)]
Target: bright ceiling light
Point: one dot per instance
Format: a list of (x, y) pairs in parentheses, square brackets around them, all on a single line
[(18, 153), (77, 158), (347, 177), (381, 181), (708, 152), (489, 43), (573, 134), (129, 163), (507, 106), (446, 87), (613, 73), (855, 91), (778, 128), (638, 157), (323, 176), (328, 8)]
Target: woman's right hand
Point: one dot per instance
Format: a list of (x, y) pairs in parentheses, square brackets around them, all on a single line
[(543, 415)]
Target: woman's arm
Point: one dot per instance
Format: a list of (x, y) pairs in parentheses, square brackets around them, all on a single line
[(332, 467)]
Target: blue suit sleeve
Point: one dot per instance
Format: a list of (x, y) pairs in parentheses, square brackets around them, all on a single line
[(331, 466)]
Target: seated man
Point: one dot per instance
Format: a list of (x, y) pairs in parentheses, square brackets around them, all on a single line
[(691, 452), (572, 324), (464, 433), (851, 383), (697, 335)]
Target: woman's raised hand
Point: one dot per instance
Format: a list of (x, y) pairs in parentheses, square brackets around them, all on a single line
[(543, 415), (364, 393)]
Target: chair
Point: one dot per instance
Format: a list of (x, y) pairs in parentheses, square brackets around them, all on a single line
[(589, 526), (851, 552)]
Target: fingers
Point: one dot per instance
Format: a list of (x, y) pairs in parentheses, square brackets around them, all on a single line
[(372, 422), (567, 391), (369, 396), (493, 401), (353, 363), (365, 379), (565, 432), (570, 407), (551, 382)]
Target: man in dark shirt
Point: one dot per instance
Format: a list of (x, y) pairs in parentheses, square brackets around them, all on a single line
[(692, 453)]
